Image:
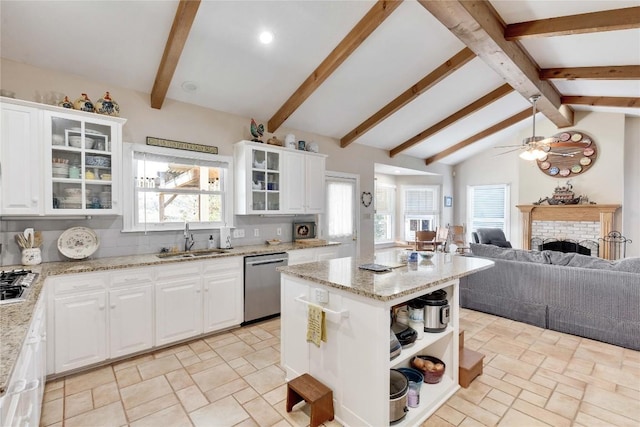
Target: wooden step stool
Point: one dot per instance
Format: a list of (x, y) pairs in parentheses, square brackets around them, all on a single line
[(470, 363), (316, 394)]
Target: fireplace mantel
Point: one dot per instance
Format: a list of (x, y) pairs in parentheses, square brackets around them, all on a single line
[(601, 213)]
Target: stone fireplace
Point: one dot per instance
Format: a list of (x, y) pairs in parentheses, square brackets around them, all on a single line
[(570, 222)]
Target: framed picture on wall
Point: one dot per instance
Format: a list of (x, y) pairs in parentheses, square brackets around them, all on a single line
[(448, 201)]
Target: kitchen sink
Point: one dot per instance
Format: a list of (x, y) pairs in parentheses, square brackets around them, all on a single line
[(192, 254)]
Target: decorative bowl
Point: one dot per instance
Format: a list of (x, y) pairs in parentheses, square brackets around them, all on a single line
[(273, 242), (75, 141), (431, 367), (426, 254), (57, 139), (98, 161)]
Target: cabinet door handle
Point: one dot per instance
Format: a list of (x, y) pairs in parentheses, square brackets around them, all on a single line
[(101, 306), (113, 306), (197, 291)]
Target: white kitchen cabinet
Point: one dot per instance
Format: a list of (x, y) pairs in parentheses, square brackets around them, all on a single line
[(82, 164), (303, 182), (131, 326), (78, 314), (21, 404), (178, 302), (80, 330), (21, 178), (258, 178), (276, 180), (223, 297), (58, 162)]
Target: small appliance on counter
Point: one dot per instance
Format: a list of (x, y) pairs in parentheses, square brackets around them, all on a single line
[(436, 311)]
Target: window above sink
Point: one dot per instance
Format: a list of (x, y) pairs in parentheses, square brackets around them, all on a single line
[(164, 188)]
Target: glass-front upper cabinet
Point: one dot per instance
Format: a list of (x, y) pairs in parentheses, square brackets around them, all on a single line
[(258, 178), (83, 163)]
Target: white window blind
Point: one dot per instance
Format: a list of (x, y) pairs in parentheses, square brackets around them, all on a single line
[(420, 209), (489, 206)]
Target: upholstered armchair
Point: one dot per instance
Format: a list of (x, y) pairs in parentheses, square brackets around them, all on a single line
[(491, 236)]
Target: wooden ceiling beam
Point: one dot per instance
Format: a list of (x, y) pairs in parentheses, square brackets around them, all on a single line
[(480, 135), (427, 82), (372, 20), (607, 20), (612, 72), (178, 35), (458, 115), (478, 25), (603, 101)]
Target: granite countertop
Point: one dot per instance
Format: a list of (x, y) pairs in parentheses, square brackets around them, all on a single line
[(15, 318), (401, 281)]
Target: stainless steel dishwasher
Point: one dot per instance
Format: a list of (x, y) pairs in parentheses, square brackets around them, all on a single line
[(262, 285)]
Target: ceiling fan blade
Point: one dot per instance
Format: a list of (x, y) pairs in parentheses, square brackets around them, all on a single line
[(506, 152)]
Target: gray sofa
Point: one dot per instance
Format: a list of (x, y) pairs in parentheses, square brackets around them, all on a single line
[(577, 294)]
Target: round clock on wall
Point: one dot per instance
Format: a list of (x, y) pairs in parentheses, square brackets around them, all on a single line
[(573, 154)]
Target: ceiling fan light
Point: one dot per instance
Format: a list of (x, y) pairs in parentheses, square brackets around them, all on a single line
[(527, 155), (539, 154)]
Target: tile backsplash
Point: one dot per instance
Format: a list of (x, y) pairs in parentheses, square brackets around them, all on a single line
[(113, 242)]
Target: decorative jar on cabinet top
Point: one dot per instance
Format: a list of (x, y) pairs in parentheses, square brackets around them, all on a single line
[(107, 106), (83, 104)]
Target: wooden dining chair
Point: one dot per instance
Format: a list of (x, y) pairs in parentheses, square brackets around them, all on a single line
[(425, 240), (442, 234)]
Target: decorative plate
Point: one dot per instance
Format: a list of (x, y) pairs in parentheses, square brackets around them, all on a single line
[(588, 151), (564, 172), (545, 165), (576, 168), (576, 137), (78, 242), (554, 171), (565, 136), (585, 161)]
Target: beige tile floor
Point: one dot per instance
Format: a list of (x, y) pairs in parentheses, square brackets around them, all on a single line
[(532, 377)]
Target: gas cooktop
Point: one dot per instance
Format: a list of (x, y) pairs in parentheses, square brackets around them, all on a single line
[(14, 285)]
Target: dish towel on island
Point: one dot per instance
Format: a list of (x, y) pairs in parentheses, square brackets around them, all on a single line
[(316, 327)]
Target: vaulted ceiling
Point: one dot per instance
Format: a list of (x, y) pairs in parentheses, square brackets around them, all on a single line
[(437, 80)]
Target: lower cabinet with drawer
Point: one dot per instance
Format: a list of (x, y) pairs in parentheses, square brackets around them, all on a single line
[(95, 317), (78, 307)]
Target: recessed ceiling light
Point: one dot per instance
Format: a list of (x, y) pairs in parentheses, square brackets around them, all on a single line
[(266, 37), (189, 86)]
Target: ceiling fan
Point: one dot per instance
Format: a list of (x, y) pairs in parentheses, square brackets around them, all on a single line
[(535, 147)]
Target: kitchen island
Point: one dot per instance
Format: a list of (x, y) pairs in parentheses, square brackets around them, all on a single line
[(354, 361)]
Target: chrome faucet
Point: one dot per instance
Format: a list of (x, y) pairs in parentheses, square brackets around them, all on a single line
[(188, 238)]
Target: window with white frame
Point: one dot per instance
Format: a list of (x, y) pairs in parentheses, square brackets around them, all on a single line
[(165, 188), (420, 209), (384, 213), (488, 207)]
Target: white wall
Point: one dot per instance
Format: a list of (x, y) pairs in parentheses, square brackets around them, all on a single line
[(610, 180), (631, 205), (191, 123)]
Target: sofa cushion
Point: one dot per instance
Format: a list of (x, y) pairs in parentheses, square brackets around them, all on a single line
[(572, 259), (630, 265), (492, 251)]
